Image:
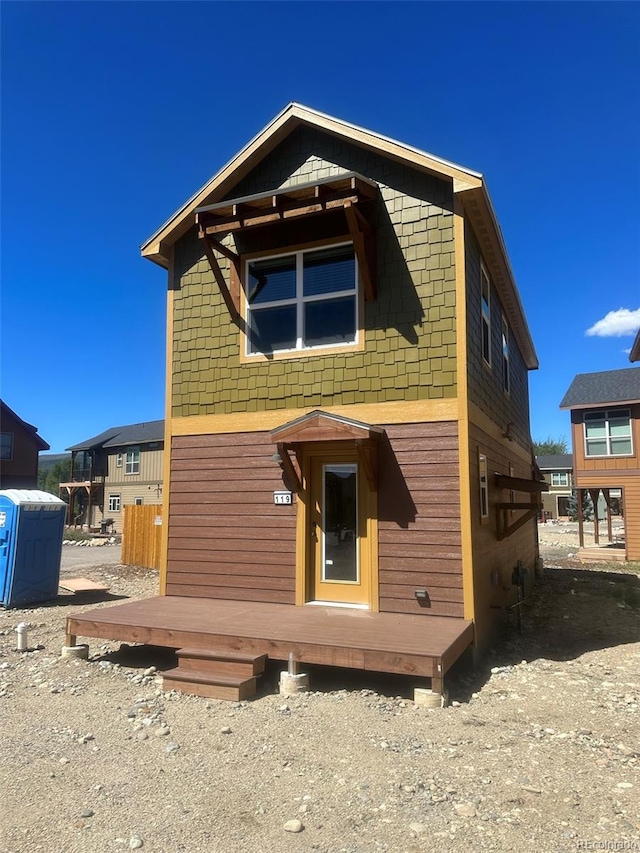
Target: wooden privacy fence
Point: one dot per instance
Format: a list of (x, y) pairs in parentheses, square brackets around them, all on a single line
[(141, 536)]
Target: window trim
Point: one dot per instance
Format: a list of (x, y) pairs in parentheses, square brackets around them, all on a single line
[(564, 485), (485, 315), (130, 463), (118, 460), (605, 414), (138, 501), (358, 345), (113, 498)]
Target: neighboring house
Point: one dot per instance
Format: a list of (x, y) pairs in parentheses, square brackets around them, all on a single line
[(121, 466), (557, 470), (351, 473), (605, 427), (19, 448)]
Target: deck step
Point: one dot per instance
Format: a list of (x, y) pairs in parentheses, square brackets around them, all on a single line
[(220, 662), (210, 684)]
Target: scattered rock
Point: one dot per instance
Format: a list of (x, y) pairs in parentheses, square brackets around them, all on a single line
[(294, 825)]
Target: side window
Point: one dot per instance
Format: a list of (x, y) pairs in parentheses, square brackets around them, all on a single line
[(6, 446), (484, 486), (138, 501), (114, 503), (485, 288), (119, 460), (506, 378)]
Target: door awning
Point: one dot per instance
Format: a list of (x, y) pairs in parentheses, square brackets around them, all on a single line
[(318, 426)]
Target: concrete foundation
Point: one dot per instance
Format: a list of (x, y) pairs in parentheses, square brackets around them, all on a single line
[(425, 698), (290, 684), (81, 651)]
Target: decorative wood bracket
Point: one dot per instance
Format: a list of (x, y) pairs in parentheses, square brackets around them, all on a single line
[(230, 295), (291, 475), (368, 459), (363, 243), (517, 484), (504, 528)]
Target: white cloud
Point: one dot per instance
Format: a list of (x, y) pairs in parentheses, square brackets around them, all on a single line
[(616, 324)]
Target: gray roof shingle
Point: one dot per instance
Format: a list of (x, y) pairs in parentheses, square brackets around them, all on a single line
[(608, 386), (124, 435), (555, 462)]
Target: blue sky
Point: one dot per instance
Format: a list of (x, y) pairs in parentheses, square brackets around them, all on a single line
[(113, 114)]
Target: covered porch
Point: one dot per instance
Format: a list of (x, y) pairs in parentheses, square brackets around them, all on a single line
[(413, 645)]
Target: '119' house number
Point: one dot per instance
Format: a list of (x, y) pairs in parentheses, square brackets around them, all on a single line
[(282, 497)]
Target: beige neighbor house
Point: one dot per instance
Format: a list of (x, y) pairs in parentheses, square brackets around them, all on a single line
[(121, 466), (20, 445), (557, 470), (351, 479)]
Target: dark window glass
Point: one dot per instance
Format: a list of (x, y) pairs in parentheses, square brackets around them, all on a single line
[(330, 322), (272, 280), (329, 271), (273, 329)]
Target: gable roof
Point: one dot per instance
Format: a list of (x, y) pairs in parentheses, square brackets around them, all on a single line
[(607, 386), (634, 355), (555, 462), (124, 435), (41, 444), (468, 185)]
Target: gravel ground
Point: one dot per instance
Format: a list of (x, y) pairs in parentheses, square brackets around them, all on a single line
[(538, 751)]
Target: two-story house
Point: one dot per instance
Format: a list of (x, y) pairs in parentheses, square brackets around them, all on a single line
[(557, 470), (20, 445), (605, 430), (120, 466), (350, 478)]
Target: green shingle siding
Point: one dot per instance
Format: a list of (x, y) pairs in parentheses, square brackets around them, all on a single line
[(409, 330)]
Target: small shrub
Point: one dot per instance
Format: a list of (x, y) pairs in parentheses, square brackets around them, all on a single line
[(74, 535)]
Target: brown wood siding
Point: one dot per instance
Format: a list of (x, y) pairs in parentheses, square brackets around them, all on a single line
[(488, 552), (419, 539), (227, 539)]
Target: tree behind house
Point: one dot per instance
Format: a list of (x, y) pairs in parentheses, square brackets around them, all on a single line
[(551, 446)]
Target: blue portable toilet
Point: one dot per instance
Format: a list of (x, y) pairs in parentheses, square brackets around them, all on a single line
[(31, 530)]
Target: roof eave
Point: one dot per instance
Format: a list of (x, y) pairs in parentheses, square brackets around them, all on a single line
[(599, 404)]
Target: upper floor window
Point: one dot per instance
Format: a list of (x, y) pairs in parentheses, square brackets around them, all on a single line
[(6, 446), (559, 478), (119, 460), (485, 289), (607, 432), (302, 300), (132, 462), (506, 379)]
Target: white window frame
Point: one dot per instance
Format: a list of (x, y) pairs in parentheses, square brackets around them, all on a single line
[(506, 362), (132, 461), (560, 476), (485, 311), (138, 501), (118, 460), (483, 483), (115, 502), (607, 415), (300, 300)]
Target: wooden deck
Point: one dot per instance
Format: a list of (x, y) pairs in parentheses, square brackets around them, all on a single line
[(358, 639)]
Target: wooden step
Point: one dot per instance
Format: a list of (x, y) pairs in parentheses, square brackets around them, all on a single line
[(221, 662), (209, 684)]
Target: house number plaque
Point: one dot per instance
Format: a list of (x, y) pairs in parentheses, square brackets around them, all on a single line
[(282, 497)]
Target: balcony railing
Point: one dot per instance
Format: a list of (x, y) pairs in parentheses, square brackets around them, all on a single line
[(84, 475)]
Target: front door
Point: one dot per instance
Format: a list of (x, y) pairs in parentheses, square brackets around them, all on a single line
[(338, 548)]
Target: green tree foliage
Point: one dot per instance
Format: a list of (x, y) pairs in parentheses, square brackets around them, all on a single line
[(49, 479), (587, 506), (551, 446)]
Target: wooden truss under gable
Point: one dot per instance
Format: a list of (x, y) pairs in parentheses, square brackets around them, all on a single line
[(347, 192)]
